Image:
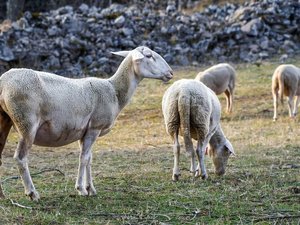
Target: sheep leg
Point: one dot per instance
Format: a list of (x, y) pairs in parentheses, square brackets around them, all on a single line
[(20, 156), (200, 151), (190, 150), (176, 151), (275, 103), (296, 103), (5, 125), (290, 105), (229, 100), (85, 160)]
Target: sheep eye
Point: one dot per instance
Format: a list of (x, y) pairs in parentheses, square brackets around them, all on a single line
[(147, 53)]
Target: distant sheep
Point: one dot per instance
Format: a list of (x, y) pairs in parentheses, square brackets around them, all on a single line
[(50, 110), (220, 78), (193, 110), (286, 81)]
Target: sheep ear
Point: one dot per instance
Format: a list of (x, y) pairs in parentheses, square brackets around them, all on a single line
[(229, 147), (121, 53), (136, 55)]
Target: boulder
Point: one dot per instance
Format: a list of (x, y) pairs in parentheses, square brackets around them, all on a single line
[(6, 53)]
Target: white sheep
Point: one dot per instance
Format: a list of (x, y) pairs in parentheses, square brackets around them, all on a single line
[(193, 110), (220, 78), (50, 110), (286, 81)]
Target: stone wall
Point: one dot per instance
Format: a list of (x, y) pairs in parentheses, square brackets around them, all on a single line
[(76, 42)]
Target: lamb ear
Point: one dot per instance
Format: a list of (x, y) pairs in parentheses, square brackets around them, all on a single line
[(229, 147), (121, 53), (136, 55)]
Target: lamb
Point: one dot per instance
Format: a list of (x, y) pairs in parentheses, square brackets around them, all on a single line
[(286, 81), (193, 110), (50, 110), (220, 78)]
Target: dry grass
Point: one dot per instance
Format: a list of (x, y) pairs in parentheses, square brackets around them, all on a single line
[(133, 164), (202, 5)]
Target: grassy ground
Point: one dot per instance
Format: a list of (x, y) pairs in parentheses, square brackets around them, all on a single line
[(133, 164)]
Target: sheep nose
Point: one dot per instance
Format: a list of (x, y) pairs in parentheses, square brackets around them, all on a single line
[(170, 74), (220, 172)]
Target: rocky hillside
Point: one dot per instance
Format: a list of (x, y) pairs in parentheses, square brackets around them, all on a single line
[(77, 42)]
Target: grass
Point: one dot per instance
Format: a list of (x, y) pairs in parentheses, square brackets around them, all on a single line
[(132, 168)]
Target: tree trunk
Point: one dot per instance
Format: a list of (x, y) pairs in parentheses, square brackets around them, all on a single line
[(14, 9), (179, 5)]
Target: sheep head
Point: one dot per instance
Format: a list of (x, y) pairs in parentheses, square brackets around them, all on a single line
[(220, 155), (148, 63)]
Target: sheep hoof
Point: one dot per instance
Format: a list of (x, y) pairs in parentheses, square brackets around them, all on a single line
[(197, 173), (82, 191), (34, 195), (193, 172), (175, 177), (204, 176), (91, 190), (274, 119)]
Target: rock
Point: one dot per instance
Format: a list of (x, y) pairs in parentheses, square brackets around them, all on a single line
[(245, 56), (103, 60), (241, 14), (65, 10), (169, 58), (170, 9), (114, 11), (88, 60), (83, 8), (24, 41), (252, 28), (217, 51), (54, 62), (119, 22), (53, 31), (283, 58), (6, 54), (263, 55), (254, 48), (264, 43), (202, 46), (69, 41), (289, 46), (182, 60), (127, 32)]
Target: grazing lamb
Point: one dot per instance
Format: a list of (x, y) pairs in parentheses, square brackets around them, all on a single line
[(286, 81), (220, 78), (50, 110), (192, 110)]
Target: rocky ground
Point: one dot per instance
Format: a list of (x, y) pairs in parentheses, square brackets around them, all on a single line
[(77, 42)]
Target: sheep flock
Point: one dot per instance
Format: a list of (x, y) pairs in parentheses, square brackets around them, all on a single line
[(50, 110)]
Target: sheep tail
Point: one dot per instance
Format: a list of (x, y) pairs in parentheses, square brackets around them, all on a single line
[(280, 87), (185, 115)]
